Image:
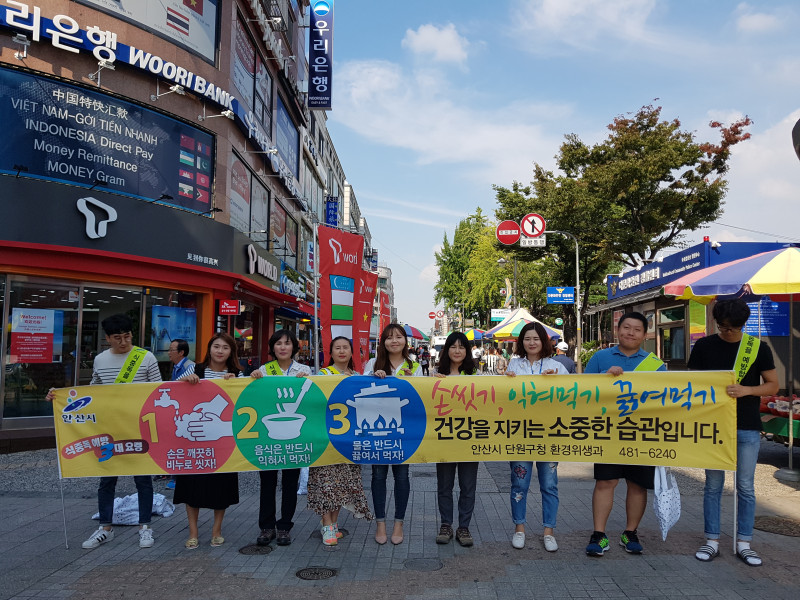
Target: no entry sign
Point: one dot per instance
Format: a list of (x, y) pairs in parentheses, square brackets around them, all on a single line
[(508, 232), (532, 225)]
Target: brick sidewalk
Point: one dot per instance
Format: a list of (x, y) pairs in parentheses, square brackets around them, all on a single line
[(35, 562)]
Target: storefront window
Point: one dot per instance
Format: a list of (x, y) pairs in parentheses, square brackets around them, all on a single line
[(170, 315), (247, 333), (41, 344), (673, 344)]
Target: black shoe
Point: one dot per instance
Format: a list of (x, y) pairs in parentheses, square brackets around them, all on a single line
[(445, 534), (266, 536), (284, 539)]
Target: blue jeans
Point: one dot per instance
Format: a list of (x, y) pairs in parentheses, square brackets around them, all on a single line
[(548, 486), (402, 489), (747, 445), (105, 498), (467, 483)]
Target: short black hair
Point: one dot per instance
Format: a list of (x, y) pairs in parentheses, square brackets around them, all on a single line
[(116, 324), (633, 315), (280, 334), (182, 346), (733, 311)]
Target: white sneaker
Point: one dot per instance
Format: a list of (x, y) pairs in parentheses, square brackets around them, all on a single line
[(146, 537), (101, 536), (518, 540), (550, 543)]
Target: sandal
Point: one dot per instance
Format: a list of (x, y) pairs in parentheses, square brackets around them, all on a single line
[(749, 557), (217, 541), (191, 544), (706, 553)]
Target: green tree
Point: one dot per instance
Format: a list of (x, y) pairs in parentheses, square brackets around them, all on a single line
[(453, 261), (626, 198)]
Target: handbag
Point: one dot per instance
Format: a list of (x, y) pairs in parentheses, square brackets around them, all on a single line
[(667, 505)]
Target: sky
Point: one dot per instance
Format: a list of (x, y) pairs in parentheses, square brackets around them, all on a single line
[(434, 102)]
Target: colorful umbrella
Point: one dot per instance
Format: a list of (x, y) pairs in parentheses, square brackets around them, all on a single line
[(775, 273), (511, 330), (474, 334), (415, 333)]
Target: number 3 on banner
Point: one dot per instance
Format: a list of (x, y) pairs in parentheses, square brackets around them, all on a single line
[(150, 419), (340, 417), (247, 432)]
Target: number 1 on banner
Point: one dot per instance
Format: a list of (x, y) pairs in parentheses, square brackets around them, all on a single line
[(150, 419)]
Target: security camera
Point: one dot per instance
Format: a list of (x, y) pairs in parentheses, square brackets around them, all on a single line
[(716, 245)]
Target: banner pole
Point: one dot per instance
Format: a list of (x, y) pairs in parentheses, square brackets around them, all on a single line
[(63, 510), (316, 294), (735, 512)]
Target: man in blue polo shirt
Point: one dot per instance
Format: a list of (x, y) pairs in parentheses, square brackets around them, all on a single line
[(628, 356)]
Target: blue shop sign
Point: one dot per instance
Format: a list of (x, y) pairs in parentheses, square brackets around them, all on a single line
[(561, 295), (771, 319)]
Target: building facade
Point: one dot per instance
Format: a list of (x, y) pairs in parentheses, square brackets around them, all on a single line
[(159, 159)]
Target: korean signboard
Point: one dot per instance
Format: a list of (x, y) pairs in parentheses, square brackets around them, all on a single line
[(320, 55)]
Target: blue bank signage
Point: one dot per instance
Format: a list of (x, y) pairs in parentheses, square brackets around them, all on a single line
[(320, 55), (561, 295)]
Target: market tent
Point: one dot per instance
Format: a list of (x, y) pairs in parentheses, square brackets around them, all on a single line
[(509, 328), (474, 334)]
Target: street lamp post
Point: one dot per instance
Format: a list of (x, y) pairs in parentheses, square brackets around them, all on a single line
[(578, 339)]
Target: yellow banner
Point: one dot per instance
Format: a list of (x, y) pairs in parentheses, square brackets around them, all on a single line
[(673, 419)]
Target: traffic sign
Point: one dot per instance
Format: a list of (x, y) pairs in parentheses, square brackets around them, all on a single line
[(431, 315), (533, 242), (559, 322), (508, 232), (440, 314), (532, 225)]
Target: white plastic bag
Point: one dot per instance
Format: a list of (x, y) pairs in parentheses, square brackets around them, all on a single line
[(667, 504), (126, 509)]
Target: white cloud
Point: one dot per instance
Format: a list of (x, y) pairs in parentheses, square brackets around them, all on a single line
[(579, 22), (750, 21), (419, 113), (429, 273), (441, 44)]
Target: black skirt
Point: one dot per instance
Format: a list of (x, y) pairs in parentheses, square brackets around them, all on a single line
[(214, 490)]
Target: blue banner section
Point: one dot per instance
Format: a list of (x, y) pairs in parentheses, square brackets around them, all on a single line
[(320, 55), (60, 132), (768, 318), (332, 211), (561, 295)]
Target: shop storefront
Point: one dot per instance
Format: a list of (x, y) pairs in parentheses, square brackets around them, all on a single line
[(673, 325), (65, 267)]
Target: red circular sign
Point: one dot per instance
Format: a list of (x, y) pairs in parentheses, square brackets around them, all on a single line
[(532, 225), (431, 315), (508, 232)]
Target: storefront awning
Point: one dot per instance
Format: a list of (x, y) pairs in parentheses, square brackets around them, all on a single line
[(624, 301)]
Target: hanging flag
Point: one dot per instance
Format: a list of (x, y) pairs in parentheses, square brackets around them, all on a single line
[(362, 314), (385, 314), (340, 257)]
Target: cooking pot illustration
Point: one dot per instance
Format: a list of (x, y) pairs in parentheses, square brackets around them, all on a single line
[(378, 415)]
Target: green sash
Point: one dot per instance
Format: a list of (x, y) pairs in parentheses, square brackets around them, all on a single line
[(413, 366), (650, 363), (131, 366), (273, 368), (748, 351)]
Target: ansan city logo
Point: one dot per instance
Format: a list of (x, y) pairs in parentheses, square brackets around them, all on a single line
[(75, 403), (321, 8)]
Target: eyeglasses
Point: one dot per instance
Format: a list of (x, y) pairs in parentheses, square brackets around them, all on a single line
[(727, 329)]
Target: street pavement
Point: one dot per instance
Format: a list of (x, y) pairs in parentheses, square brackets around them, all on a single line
[(36, 563)]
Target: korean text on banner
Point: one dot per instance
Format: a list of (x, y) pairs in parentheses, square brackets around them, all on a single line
[(673, 419)]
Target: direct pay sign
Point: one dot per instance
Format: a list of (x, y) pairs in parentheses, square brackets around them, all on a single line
[(529, 232)]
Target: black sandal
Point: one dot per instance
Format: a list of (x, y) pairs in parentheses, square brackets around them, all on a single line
[(749, 557), (707, 553)]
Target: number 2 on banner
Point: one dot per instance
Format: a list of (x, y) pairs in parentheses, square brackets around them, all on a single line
[(340, 417), (247, 432), (150, 419)]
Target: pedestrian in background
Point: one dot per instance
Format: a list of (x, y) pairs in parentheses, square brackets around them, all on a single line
[(561, 356)]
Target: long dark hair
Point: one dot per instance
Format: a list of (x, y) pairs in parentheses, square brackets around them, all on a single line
[(467, 367), (382, 362), (232, 364), (350, 362), (547, 346)]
